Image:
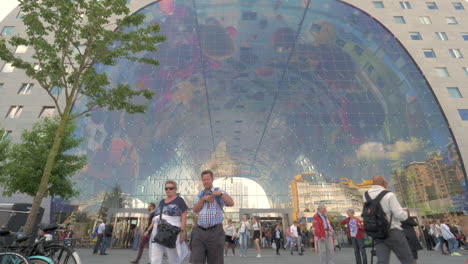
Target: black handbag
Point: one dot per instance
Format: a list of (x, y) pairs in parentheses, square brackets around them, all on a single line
[(166, 234)]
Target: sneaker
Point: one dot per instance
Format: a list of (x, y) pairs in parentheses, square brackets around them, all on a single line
[(259, 256), (455, 254)]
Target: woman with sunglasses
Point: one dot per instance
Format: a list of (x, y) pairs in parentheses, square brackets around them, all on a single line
[(174, 211)]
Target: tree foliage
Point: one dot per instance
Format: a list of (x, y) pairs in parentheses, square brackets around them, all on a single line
[(24, 162), (70, 38), (4, 147)]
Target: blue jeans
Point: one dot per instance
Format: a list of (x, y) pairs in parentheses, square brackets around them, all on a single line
[(106, 243), (98, 243), (244, 242), (453, 245), (440, 244)]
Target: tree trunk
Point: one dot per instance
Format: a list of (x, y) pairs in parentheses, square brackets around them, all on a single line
[(44, 184)]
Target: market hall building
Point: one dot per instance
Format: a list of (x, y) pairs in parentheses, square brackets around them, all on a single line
[(292, 104)]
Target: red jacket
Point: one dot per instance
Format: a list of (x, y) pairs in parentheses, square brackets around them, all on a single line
[(319, 230), (360, 231)]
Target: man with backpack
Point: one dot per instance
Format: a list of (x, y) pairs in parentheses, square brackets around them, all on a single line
[(382, 215)]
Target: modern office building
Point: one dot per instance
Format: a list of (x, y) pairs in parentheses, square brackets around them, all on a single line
[(264, 90)]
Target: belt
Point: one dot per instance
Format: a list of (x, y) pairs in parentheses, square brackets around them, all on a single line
[(209, 228)]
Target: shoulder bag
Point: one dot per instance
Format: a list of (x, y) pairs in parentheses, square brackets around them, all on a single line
[(166, 234)]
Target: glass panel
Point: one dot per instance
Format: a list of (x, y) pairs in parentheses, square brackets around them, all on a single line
[(399, 20), (442, 72), (451, 20), (465, 36), (21, 49), (458, 6), (431, 5), (463, 114), (8, 30), (428, 53), (7, 67), (454, 92), (378, 4), (415, 36), (291, 105), (441, 35)]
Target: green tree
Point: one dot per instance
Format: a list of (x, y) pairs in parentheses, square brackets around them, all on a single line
[(69, 38), (22, 169), (4, 147)]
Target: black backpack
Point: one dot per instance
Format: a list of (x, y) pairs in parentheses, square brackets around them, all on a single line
[(376, 224)]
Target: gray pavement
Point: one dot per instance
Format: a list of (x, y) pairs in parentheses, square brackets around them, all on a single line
[(345, 256)]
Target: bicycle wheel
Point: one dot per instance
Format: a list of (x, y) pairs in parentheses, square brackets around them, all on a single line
[(61, 254), (13, 258), (40, 260)]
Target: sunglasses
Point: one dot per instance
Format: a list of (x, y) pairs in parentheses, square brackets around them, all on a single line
[(169, 188)]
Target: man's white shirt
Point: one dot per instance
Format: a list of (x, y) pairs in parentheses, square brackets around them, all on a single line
[(294, 233), (390, 206)]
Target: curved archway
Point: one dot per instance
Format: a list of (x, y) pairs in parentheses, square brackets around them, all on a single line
[(267, 90)]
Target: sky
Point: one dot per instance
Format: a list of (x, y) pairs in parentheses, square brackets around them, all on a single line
[(7, 6)]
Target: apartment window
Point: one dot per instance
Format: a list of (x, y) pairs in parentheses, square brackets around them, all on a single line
[(7, 31), (405, 5), (458, 6), (425, 20), (6, 135), (415, 36), (36, 66), (378, 4), (465, 70), (456, 53), (47, 111), (442, 72), (451, 20), (20, 15), (7, 67), (429, 53), (21, 49), (441, 36), (56, 90), (454, 92), (465, 36), (26, 88), (463, 114), (15, 111), (399, 20), (431, 5)]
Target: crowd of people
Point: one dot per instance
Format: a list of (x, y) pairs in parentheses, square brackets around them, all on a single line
[(210, 241)]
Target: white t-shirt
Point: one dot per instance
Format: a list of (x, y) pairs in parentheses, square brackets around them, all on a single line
[(245, 225), (101, 228), (446, 232), (230, 231), (255, 226)]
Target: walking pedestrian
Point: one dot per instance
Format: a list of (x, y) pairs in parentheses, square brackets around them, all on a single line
[(277, 236), (295, 238), (146, 235), (355, 231), (257, 229), (109, 229), (426, 229), (100, 235), (209, 237), (395, 240), (440, 238), (452, 241), (230, 241), (324, 236), (412, 236), (288, 238), (136, 242), (172, 210), (244, 236)]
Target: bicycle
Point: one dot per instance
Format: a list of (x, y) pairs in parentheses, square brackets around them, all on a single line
[(60, 251), (13, 255)]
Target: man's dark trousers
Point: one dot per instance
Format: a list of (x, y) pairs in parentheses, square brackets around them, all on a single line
[(98, 243), (208, 245), (396, 242), (359, 250)]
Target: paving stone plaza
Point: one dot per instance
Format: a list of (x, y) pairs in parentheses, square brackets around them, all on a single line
[(344, 256)]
